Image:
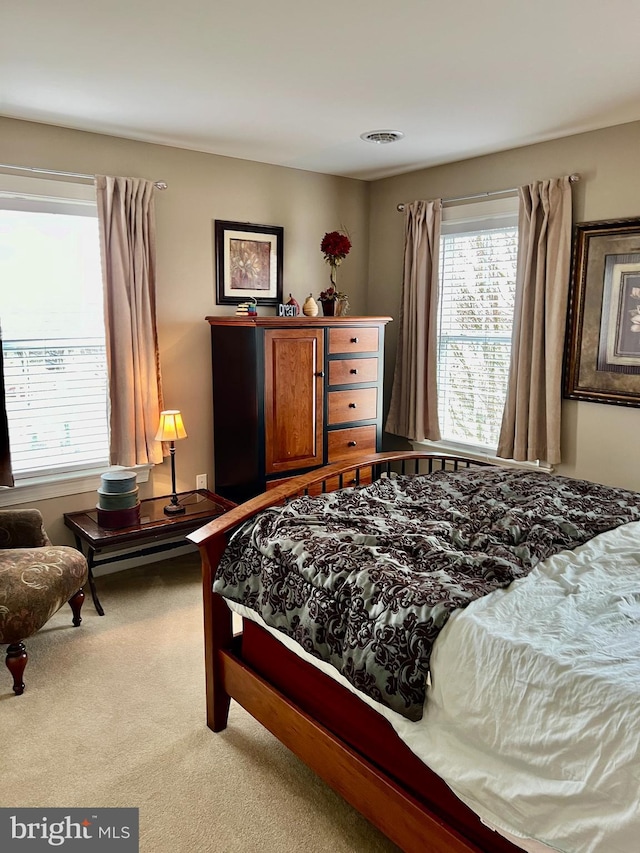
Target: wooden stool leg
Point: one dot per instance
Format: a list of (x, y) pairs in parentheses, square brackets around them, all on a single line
[(76, 602), (16, 662)]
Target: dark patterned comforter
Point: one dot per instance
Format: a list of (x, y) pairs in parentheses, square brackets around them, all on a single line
[(366, 578)]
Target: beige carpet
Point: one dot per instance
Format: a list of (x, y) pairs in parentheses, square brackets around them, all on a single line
[(113, 715)]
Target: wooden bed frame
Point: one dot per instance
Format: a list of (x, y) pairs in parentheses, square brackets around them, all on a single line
[(292, 699)]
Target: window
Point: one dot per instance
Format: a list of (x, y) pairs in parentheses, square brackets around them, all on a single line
[(478, 254), (53, 328)]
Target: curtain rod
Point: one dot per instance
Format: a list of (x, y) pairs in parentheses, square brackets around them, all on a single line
[(572, 178), (159, 185)]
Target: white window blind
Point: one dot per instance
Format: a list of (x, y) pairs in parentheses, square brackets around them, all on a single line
[(53, 328), (478, 255)]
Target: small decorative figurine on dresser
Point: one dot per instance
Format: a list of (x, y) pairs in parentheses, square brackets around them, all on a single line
[(294, 304), (289, 308), (310, 307), (247, 308)]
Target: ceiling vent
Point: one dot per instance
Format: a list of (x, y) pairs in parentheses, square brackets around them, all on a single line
[(382, 137)]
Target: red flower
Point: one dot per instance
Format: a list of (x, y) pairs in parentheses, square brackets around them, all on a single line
[(335, 246)]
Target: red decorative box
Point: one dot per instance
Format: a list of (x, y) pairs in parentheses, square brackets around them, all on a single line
[(111, 519)]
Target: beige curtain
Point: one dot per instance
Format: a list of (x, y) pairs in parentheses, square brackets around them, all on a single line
[(531, 421), (413, 412), (127, 235)]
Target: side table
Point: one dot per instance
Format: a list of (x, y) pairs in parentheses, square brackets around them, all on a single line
[(153, 529)]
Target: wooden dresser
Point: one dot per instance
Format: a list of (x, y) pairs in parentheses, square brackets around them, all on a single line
[(291, 394)]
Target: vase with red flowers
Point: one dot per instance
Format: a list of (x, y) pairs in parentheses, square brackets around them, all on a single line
[(335, 247)]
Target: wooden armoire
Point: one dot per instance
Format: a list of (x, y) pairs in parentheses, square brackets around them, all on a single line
[(291, 394)]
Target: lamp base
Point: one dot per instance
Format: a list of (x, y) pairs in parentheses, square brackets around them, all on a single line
[(173, 509)]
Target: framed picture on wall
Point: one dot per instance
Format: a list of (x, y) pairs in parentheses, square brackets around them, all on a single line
[(603, 342), (248, 262)]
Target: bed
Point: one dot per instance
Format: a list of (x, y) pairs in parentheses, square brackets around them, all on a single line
[(418, 772)]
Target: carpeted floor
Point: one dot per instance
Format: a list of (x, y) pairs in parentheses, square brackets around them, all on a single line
[(113, 715)]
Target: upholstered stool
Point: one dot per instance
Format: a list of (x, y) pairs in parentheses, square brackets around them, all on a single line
[(36, 579)]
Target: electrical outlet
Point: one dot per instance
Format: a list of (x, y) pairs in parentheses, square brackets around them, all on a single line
[(201, 481)]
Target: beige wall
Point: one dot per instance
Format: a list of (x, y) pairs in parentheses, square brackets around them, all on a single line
[(202, 188), (599, 442)]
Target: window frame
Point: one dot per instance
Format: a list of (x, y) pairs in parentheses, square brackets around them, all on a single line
[(30, 489), (18, 192), (493, 212)]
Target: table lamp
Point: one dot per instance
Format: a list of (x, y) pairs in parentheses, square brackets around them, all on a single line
[(171, 428)]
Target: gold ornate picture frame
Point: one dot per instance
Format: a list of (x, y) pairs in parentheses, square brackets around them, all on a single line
[(602, 363)]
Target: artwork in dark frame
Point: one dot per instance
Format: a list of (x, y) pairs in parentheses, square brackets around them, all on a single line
[(249, 262)]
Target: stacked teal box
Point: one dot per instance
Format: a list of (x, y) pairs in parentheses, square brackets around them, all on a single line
[(118, 504)]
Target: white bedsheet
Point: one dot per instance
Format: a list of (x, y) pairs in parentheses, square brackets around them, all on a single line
[(533, 712)]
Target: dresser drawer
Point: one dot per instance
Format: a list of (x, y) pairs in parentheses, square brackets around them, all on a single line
[(365, 339), (346, 371), (359, 404), (350, 442)]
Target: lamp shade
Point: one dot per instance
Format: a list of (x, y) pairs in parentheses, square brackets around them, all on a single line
[(171, 427)]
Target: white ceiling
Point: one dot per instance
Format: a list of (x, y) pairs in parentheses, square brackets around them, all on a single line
[(295, 83)]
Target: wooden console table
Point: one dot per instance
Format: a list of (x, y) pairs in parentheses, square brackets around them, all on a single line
[(152, 531)]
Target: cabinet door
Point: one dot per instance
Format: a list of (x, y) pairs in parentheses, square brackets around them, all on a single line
[(293, 398)]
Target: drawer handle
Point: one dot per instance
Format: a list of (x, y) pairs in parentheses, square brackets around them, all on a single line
[(354, 340), (353, 405), (320, 374), (354, 370), (351, 443)]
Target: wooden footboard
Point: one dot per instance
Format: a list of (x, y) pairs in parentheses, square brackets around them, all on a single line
[(381, 800), (417, 827)]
